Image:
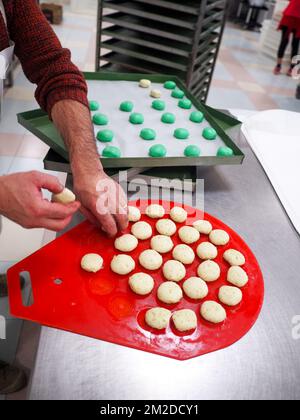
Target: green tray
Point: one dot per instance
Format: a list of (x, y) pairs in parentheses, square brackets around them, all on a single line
[(39, 124)]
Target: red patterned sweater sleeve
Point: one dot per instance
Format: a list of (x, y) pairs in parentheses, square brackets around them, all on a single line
[(43, 59)]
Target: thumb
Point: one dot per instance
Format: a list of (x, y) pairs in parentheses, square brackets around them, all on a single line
[(49, 182)]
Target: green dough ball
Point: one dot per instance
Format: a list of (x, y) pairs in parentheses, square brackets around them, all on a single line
[(209, 133), (225, 152), (197, 117), (170, 85), (136, 119), (159, 105), (178, 94), (126, 106), (168, 118), (185, 104), (94, 105), (148, 134), (111, 152), (181, 134), (158, 151), (192, 151), (100, 119), (105, 136)]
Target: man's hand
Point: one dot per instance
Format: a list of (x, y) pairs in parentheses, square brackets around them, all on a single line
[(21, 200)]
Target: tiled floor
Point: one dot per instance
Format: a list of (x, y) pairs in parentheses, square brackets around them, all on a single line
[(243, 79)]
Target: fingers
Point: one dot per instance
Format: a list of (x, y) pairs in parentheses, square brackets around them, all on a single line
[(89, 216), (47, 182), (108, 225), (55, 225), (122, 221), (58, 211)]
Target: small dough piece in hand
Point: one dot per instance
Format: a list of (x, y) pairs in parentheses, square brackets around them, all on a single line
[(169, 292), (155, 93), (134, 214), (144, 83), (126, 243), (213, 312), (158, 318), (162, 244), (195, 288), (209, 271), (234, 257), (237, 276), (185, 320), (141, 284), (189, 235), (166, 227), (178, 214), (65, 197), (174, 271), (155, 211), (92, 263), (122, 264), (207, 251), (184, 253), (230, 296), (151, 260), (142, 230), (219, 237), (203, 226)]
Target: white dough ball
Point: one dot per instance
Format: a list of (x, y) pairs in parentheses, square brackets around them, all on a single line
[(189, 235), (65, 197), (203, 226), (213, 312), (178, 215), (234, 257), (155, 93), (141, 284), (184, 253), (230, 296), (207, 251), (185, 320), (166, 227), (142, 230), (219, 237), (92, 263), (134, 214), (162, 244), (122, 264), (209, 271), (151, 260), (144, 83), (174, 271), (169, 292), (155, 211), (126, 243), (237, 276), (158, 318), (195, 288)]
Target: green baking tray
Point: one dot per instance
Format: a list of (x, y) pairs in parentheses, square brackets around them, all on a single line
[(39, 124)]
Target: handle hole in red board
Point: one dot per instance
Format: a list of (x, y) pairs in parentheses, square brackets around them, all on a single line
[(58, 282), (26, 289)]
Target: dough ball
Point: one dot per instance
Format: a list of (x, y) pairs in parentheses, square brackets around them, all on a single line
[(237, 276), (207, 251), (203, 226), (213, 312), (65, 197), (155, 93), (142, 230), (219, 237), (126, 243), (122, 264), (158, 318), (141, 284), (178, 214), (169, 292), (195, 288), (144, 83), (184, 253), (162, 244), (189, 235), (230, 296), (134, 214), (185, 320), (151, 260), (92, 263), (209, 271), (155, 211), (234, 257), (174, 271), (166, 227)]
